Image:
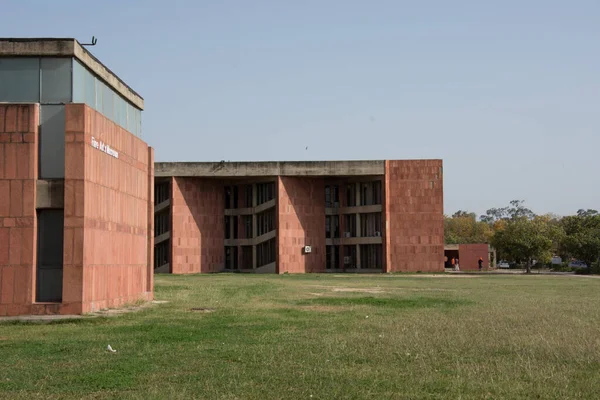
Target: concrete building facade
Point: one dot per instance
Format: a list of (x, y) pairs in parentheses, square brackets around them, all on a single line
[(76, 183), (298, 217)]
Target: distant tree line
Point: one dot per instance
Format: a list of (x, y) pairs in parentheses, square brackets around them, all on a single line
[(521, 236)]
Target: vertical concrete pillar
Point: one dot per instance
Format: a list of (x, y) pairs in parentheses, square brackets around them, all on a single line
[(358, 256)]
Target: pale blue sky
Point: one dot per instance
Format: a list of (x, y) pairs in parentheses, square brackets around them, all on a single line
[(507, 94)]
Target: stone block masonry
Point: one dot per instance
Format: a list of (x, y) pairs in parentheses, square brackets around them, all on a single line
[(414, 216), (107, 218), (18, 225), (197, 227), (300, 222)]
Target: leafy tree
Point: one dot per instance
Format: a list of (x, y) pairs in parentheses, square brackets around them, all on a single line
[(463, 227), (461, 213), (586, 213), (582, 236), (516, 209), (526, 239)]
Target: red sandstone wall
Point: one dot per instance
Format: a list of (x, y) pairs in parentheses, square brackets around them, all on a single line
[(107, 215), (18, 225), (300, 222), (468, 255), (414, 221), (198, 226)]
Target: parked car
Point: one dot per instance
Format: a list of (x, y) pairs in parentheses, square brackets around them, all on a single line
[(577, 264), (503, 264)]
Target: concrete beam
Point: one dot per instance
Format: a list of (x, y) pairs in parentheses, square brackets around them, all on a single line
[(354, 241), (269, 168), (161, 238), (50, 193), (68, 47), (354, 210), (162, 206)]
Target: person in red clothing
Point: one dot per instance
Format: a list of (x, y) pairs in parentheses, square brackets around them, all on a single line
[(480, 262)]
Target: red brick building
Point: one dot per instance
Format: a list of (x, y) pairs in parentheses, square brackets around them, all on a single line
[(297, 217), (468, 256), (76, 183)]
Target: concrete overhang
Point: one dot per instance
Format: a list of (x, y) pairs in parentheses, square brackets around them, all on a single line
[(68, 47), (269, 168)]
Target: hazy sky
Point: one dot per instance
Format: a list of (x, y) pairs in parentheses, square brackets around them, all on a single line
[(508, 95)]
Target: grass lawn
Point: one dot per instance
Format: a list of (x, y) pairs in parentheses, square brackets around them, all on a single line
[(323, 337)]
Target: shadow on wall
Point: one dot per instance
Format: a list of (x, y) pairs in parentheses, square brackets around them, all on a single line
[(197, 231), (301, 222)]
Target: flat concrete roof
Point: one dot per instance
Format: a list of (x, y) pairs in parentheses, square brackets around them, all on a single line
[(269, 168), (68, 47)]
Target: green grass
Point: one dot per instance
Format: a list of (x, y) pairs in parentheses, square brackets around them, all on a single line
[(325, 336)]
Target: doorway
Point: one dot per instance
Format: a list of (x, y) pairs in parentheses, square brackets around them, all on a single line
[(49, 256), (448, 256)]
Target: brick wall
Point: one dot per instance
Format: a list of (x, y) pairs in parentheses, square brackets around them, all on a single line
[(300, 222), (468, 255), (18, 172), (198, 225), (413, 213), (108, 211)]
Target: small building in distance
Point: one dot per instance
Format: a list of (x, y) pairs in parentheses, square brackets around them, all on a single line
[(298, 217), (468, 256)]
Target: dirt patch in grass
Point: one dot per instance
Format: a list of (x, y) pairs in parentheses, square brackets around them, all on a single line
[(202, 309), (359, 290), (432, 276), (322, 308), (389, 302)]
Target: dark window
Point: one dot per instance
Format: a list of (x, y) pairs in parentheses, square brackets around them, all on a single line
[(248, 194), (161, 254), (227, 196), (351, 195), (161, 192), (50, 255), (265, 253), (235, 197), (370, 256), (161, 223), (227, 227), (350, 257), (231, 258), (265, 192), (234, 221), (247, 221), (370, 224), (350, 228), (265, 222), (246, 257)]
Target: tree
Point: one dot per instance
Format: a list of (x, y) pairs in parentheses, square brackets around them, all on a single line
[(461, 213), (586, 213), (526, 239), (582, 236), (463, 227), (516, 209)]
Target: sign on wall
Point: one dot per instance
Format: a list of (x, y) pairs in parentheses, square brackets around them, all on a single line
[(103, 147)]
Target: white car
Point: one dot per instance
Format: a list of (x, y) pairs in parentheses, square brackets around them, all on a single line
[(503, 264)]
